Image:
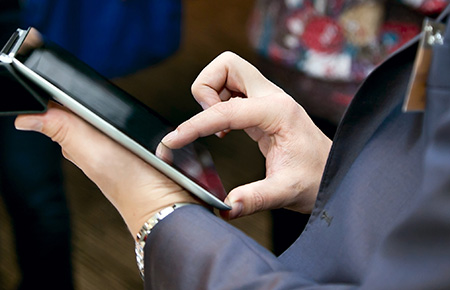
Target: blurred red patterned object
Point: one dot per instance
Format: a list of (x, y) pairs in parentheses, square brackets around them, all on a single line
[(340, 40)]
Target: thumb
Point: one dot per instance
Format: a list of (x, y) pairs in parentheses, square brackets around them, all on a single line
[(52, 123), (49, 123), (251, 198), (59, 125)]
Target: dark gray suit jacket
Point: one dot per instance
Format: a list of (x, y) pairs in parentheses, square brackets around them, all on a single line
[(382, 216)]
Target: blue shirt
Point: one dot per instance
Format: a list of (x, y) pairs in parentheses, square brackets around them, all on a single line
[(115, 37)]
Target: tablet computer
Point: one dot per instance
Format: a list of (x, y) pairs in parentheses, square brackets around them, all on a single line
[(36, 71)]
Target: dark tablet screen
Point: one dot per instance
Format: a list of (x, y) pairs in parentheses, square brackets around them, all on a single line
[(118, 108)]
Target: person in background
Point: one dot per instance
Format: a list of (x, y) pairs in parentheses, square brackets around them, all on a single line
[(116, 38)]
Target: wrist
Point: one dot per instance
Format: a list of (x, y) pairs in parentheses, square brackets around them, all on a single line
[(145, 230), (137, 217), (137, 210)]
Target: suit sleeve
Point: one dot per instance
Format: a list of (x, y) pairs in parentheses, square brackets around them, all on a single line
[(193, 249)]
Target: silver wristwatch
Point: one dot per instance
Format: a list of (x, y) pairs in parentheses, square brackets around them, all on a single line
[(141, 237)]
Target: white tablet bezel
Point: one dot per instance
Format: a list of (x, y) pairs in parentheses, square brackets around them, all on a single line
[(115, 134)]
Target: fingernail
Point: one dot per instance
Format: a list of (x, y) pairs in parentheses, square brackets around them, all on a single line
[(169, 137), (204, 105), (236, 208), (220, 134), (158, 151), (29, 124), (223, 133)]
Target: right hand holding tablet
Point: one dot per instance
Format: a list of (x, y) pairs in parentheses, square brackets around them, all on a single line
[(234, 95)]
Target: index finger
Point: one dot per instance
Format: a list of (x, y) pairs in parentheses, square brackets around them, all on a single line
[(235, 114)]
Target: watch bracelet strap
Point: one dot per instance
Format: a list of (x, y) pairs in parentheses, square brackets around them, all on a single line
[(145, 230)]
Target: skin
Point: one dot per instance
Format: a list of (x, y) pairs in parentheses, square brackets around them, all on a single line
[(136, 189), (234, 96)]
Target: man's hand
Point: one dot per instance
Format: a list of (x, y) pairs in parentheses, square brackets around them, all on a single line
[(234, 95), (135, 188)]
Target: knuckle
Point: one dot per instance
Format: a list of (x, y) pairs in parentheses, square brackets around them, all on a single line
[(58, 130), (59, 134), (258, 201), (226, 55), (189, 128), (283, 100), (222, 109), (195, 88)]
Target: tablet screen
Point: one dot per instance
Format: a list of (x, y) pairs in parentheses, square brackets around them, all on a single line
[(118, 108)]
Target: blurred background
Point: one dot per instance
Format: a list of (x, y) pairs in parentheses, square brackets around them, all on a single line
[(268, 33)]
